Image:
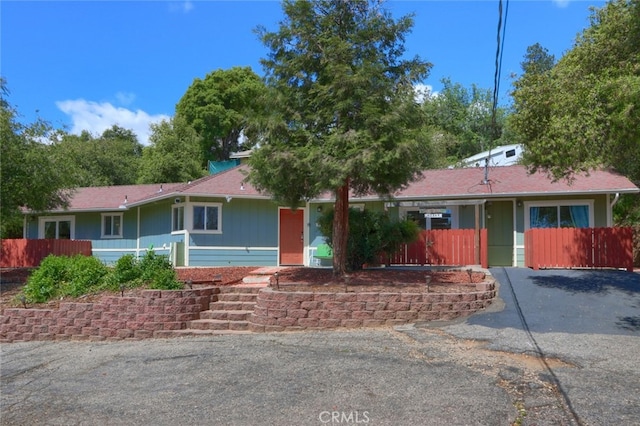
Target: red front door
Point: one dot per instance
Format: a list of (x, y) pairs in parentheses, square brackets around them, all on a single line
[(291, 237)]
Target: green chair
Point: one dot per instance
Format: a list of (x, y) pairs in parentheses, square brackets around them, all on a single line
[(323, 251)]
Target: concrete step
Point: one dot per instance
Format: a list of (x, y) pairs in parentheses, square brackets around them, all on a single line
[(257, 279), (241, 289), (229, 315), (237, 297), (214, 324), (232, 306)]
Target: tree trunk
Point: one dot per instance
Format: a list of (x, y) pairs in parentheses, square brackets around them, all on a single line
[(341, 230)]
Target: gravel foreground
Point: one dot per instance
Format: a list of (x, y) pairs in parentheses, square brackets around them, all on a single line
[(405, 376), (557, 348)]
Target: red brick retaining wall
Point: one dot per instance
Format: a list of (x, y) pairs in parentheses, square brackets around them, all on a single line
[(112, 318), (283, 310)]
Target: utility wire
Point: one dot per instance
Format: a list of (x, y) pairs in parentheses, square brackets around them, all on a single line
[(501, 33), (496, 83)]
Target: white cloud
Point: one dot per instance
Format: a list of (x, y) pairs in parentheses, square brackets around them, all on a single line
[(561, 3), (184, 7), (96, 117), (125, 98), (423, 91)]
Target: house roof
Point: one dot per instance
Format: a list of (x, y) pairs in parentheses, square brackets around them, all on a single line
[(507, 181), (511, 181), (109, 198)]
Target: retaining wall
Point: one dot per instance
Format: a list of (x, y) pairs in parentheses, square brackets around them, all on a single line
[(155, 314), (285, 311)]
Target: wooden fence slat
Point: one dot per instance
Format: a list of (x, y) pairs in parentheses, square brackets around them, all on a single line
[(579, 247), (24, 253)]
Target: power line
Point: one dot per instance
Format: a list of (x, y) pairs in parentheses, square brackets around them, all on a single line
[(502, 29)]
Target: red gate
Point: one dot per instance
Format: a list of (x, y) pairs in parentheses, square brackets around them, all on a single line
[(579, 248)]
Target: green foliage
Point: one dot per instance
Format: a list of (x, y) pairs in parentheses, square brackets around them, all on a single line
[(110, 159), (371, 235), (126, 270), (341, 103), (583, 112), (60, 276), (217, 108), (152, 270), (340, 114), (461, 120), (157, 271), (63, 276), (174, 154), (29, 177)]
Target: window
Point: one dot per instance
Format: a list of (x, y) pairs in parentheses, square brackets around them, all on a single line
[(563, 214), (434, 217), (177, 219), (56, 227), (510, 153), (111, 225), (207, 217)]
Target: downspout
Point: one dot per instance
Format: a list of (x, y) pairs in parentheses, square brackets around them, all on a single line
[(610, 209), (138, 235), (24, 227)]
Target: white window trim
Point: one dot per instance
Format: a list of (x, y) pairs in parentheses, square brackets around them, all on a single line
[(43, 219), (558, 203), (455, 213), (184, 219), (188, 220), (104, 236)]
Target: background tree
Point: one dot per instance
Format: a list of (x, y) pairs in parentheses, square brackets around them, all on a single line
[(584, 111), (341, 114), (29, 177), (110, 159), (174, 154), (217, 108), (461, 120)]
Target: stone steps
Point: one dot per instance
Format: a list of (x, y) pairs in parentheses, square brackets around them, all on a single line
[(229, 314)]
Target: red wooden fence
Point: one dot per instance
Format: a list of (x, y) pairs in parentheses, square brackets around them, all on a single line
[(579, 248), (22, 253), (444, 247)]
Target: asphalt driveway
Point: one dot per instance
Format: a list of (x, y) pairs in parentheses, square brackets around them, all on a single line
[(567, 301), (559, 348), (589, 320)]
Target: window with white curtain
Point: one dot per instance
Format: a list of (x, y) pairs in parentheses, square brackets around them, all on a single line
[(560, 214)]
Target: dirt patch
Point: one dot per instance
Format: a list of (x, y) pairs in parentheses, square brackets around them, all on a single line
[(379, 280), (294, 279)]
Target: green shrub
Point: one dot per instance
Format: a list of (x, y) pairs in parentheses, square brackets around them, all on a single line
[(152, 270), (59, 276), (371, 234)]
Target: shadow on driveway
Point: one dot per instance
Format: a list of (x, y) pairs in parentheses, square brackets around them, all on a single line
[(568, 301)]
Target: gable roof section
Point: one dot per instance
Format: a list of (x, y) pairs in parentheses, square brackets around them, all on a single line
[(110, 198), (508, 181)]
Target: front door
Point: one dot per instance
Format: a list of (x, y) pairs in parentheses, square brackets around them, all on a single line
[(499, 222), (291, 237)]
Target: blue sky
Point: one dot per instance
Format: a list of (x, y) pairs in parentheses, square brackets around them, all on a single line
[(86, 65)]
